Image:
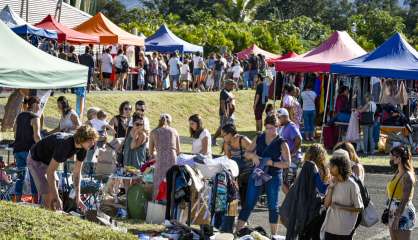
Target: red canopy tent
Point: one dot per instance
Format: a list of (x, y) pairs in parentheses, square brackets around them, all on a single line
[(66, 34), (337, 48), (254, 49), (281, 57)]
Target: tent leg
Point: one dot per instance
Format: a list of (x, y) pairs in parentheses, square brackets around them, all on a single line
[(274, 92), (325, 108)]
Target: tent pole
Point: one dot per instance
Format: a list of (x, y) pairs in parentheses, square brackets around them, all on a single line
[(274, 91), (325, 107)]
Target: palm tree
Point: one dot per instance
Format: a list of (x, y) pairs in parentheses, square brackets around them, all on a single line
[(238, 10)]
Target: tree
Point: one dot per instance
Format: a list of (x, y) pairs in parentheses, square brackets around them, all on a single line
[(288, 9), (337, 13), (238, 10), (376, 26), (115, 11)]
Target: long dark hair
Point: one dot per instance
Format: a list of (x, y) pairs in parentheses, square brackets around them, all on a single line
[(343, 165), (65, 106), (122, 105), (198, 120), (405, 155)]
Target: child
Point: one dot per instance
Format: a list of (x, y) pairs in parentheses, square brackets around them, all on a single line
[(185, 73), (141, 78), (210, 80), (102, 126), (269, 110)]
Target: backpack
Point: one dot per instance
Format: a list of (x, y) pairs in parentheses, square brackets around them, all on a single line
[(365, 197)]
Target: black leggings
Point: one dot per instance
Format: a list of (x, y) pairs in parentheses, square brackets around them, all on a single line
[(242, 184), (330, 236)]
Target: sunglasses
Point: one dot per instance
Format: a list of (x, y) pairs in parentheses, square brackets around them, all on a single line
[(140, 110), (138, 124), (127, 109)]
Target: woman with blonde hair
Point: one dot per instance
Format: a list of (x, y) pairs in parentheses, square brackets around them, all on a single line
[(164, 147), (400, 190), (356, 167)]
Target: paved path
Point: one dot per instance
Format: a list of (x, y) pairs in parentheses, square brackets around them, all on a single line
[(376, 184)]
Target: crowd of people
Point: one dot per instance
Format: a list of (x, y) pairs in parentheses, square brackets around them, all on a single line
[(276, 151)]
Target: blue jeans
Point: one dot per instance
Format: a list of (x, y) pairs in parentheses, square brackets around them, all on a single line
[(272, 190), (368, 138), (309, 121), (252, 76), (246, 77), (21, 164), (218, 79), (174, 80)]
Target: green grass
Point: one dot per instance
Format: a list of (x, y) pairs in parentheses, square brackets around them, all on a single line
[(25, 222)]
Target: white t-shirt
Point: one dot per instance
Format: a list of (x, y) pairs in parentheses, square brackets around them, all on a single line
[(98, 124), (308, 98), (372, 107), (236, 71), (174, 65), (197, 143), (184, 69), (107, 62), (119, 59), (196, 61), (338, 221)]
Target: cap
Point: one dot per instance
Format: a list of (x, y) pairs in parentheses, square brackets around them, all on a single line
[(341, 153), (282, 112), (229, 81)]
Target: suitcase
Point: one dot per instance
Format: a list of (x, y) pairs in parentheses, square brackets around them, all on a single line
[(330, 136)]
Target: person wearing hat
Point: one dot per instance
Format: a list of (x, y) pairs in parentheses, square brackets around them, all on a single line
[(290, 132), (226, 107)]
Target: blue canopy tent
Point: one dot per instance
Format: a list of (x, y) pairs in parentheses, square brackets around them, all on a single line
[(165, 41), (395, 58), (27, 29)]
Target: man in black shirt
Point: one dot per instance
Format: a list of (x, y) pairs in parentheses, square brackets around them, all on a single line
[(46, 155), (226, 107), (86, 59)]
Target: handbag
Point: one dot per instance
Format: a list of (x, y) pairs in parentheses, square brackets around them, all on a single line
[(385, 214), (369, 215), (367, 118)]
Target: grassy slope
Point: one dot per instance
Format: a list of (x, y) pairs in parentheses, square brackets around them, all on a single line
[(24, 222)]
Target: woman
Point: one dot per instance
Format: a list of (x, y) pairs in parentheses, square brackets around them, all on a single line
[(401, 188), (71, 56), (356, 167), (134, 149), (121, 122), (271, 151), (313, 179), (235, 146), (27, 132), (164, 147), (309, 112), (368, 139), (343, 200), (292, 105), (201, 137), (342, 106), (69, 121), (122, 67)]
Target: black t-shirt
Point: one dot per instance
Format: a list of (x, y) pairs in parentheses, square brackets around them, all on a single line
[(253, 61), (58, 146), (259, 91), (224, 95), (24, 132), (219, 65)]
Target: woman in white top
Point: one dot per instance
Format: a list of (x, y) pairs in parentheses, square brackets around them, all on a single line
[(69, 121), (343, 200), (201, 136), (122, 67), (309, 112)]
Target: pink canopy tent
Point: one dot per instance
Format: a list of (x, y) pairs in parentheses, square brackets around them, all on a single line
[(281, 57), (337, 48), (254, 49)]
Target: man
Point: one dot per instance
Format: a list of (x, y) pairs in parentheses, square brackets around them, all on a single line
[(86, 59), (141, 108), (226, 107), (253, 69), (174, 65), (107, 64), (260, 101), (46, 155), (61, 53), (219, 68), (290, 132)]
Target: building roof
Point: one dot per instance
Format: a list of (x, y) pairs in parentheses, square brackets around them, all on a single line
[(39, 9)]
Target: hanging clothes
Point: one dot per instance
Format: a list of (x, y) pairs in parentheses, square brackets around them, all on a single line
[(353, 134), (376, 88), (403, 95), (322, 97)]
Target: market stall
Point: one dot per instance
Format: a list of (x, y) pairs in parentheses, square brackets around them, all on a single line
[(165, 41), (10, 18), (66, 34), (254, 49)]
